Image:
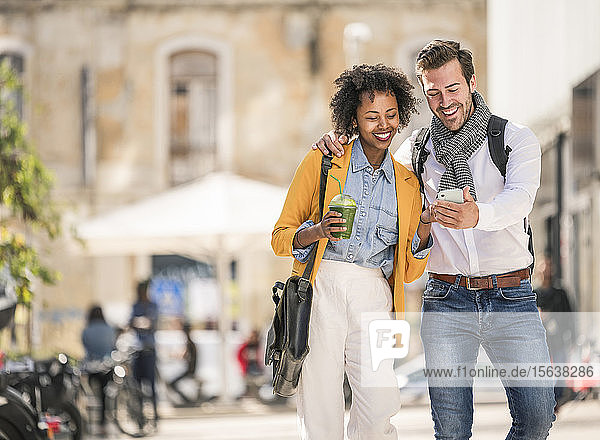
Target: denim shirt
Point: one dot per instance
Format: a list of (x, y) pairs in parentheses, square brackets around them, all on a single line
[(375, 229)]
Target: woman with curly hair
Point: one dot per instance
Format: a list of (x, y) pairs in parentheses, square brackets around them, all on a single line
[(388, 246)]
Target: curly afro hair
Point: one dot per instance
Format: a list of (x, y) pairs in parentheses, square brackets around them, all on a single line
[(352, 83)]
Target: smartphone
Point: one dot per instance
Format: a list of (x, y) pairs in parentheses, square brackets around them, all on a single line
[(451, 195)]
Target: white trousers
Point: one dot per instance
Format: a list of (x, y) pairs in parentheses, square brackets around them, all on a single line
[(341, 292)]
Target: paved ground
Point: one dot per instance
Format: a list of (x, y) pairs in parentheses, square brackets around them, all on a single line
[(252, 421)]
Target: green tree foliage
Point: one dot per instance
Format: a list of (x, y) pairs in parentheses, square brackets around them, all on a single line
[(26, 206)]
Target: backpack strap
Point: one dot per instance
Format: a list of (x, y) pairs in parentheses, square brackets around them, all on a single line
[(419, 155), (498, 152), (530, 244)]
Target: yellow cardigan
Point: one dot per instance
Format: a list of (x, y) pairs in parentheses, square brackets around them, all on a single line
[(302, 203)]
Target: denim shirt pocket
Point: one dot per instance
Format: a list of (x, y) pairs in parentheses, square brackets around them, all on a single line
[(384, 240)]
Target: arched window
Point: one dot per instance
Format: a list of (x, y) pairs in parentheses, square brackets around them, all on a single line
[(193, 114), (16, 61)]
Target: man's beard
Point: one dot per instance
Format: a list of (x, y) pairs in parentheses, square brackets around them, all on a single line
[(467, 110)]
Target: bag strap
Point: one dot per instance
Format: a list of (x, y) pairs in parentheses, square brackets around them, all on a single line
[(325, 166), (498, 152), (419, 155)]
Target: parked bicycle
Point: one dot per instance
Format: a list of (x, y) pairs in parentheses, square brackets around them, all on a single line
[(18, 419), (51, 387), (128, 404)]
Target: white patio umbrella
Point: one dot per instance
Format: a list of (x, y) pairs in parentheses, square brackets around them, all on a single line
[(218, 216), (222, 211)]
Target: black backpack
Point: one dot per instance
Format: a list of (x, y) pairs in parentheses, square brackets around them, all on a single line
[(498, 152)]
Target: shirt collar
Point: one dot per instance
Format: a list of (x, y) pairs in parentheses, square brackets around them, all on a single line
[(359, 161)]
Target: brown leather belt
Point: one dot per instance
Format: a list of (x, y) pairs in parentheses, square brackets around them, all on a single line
[(509, 279)]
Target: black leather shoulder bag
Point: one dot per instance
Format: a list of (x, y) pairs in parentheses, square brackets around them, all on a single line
[(287, 340)]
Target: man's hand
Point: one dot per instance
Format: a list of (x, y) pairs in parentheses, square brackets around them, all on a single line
[(457, 215), (329, 142)]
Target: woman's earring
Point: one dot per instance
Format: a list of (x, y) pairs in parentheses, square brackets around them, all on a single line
[(399, 129)]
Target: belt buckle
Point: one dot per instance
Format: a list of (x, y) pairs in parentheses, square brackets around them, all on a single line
[(468, 284)]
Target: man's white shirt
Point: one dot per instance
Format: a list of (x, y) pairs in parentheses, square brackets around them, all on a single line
[(499, 242)]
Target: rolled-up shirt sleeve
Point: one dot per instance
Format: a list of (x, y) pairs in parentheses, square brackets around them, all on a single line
[(302, 254), (416, 242)]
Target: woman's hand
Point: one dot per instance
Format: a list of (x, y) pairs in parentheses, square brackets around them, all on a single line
[(424, 228), (325, 227)]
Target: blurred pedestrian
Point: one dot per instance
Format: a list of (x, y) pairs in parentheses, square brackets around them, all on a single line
[(388, 246), (250, 360), (480, 260), (144, 320), (99, 341), (555, 306), (190, 356)]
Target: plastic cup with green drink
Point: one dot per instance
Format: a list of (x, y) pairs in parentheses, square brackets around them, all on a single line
[(345, 205)]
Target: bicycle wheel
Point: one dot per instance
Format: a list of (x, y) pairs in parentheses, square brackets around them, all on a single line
[(127, 406), (8, 432), (150, 417)]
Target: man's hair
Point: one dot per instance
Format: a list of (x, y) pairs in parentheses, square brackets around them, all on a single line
[(352, 83), (438, 52)]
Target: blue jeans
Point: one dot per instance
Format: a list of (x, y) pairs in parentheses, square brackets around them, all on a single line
[(506, 323)]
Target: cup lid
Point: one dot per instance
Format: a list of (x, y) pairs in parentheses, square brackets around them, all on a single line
[(343, 200)]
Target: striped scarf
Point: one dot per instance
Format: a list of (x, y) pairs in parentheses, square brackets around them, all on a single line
[(453, 149)]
